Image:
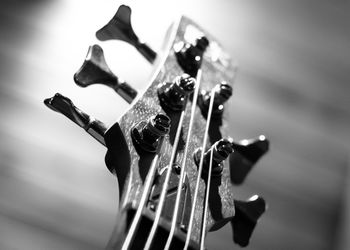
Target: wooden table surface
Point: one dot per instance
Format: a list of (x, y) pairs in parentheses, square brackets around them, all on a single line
[(293, 86)]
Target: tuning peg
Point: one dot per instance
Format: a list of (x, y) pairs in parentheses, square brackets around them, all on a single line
[(223, 92), (119, 28), (247, 214), (96, 71), (172, 95), (221, 151), (189, 56), (65, 106), (147, 134), (246, 154)]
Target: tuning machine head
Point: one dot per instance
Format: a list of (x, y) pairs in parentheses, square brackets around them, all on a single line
[(147, 134), (223, 92), (65, 106), (247, 214), (190, 56), (96, 71), (120, 28), (221, 151), (246, 154), (173, 95)]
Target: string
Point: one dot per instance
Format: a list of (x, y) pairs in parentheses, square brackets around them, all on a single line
[(204, 218), (183, 165), (165, 185), (146, 190), (200, 167)]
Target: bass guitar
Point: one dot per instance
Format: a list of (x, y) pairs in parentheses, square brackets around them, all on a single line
[(176, 164)]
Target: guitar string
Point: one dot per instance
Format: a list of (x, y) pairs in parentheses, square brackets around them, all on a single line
[(165, 185), (183, 165), (172, 35), (200, 167), (204, 218), (146, 190)]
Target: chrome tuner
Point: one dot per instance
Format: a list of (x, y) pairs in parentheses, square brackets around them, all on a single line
[(96, 71)]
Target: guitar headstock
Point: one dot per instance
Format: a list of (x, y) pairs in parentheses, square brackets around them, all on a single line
[(176, 164)]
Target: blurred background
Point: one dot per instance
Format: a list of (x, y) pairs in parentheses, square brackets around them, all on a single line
[(293, 86)]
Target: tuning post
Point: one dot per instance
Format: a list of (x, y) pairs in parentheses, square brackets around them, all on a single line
[(96, 71), (246, 154), (223, 92), (190, 56), (120, 28), (177, 168), (173, 95), (147, 134), (221, 151), (65, 106)]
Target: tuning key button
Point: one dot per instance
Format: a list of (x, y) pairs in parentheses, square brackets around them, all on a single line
[(189, 56), (119, 28), (173, 95), (247, 214), (223, 92), (65, 106), (221, 151), (246, 154), (96, 71), (147, 134)]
